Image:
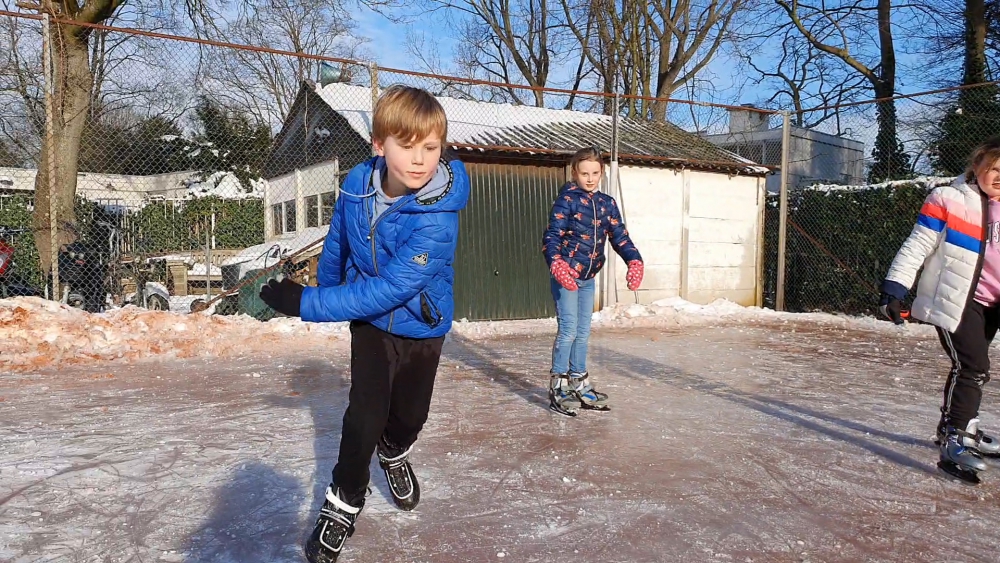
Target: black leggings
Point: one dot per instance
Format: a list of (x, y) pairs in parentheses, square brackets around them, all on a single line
[(968, 347)]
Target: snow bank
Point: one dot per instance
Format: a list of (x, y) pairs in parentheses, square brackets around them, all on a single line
[(35, 333)]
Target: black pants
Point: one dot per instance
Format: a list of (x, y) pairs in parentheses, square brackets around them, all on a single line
[(392, 379), (968, 348)]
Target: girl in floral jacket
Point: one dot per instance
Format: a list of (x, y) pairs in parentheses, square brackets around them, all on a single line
[(582, 219)]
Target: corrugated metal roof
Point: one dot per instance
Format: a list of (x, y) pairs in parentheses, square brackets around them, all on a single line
[(508, 128)]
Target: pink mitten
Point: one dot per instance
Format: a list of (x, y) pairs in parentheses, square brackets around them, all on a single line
[(634, 275), (563, 274)]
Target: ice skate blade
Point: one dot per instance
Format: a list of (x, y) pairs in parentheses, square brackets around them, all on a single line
[(562, 411), (598, 408), (955, 473)]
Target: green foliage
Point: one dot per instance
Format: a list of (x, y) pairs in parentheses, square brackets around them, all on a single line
[(165, 227), (862, 229), (971, 120), (890, 161), (15, 213), (230, 142), (142, 147)]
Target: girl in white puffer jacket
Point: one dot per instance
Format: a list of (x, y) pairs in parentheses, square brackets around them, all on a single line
[(957, 242)]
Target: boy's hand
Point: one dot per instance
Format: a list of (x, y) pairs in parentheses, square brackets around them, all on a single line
[(284, 296), (634, 275), (891, 308), (563, 274)]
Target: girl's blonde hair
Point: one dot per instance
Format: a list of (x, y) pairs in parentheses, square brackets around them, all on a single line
[(589, 153), (990, 150)]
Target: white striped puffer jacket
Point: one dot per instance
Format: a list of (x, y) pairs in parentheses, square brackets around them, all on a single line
[(948, 241)]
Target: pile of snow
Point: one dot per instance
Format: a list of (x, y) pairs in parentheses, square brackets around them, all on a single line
[(926, 182), (224, 185), (35, 333)]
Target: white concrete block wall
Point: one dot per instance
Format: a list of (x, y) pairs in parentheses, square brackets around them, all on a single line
[(699, 240), (723, 219), (652, 202)]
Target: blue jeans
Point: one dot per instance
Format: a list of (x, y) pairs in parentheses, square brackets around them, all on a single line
[(573, 313)]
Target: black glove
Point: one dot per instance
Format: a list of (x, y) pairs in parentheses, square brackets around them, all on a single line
[(284, 296), (891, 308)]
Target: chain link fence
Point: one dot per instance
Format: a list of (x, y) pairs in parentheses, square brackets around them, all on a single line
[(857, 177), (191, 167)]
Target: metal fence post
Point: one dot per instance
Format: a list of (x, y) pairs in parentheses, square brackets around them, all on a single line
[(48, 76), (373, 70), (786, 136)]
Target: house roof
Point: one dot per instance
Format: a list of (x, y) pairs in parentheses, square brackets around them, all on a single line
[(527, 130)]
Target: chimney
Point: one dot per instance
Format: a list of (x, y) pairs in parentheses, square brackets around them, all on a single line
[(747, 120)]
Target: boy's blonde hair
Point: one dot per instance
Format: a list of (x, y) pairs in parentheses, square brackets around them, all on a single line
[(988, 151), (408, 114), (589, 153)]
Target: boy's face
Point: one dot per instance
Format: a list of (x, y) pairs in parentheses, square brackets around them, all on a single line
[(988, 178), (411, 164), (588, 175)]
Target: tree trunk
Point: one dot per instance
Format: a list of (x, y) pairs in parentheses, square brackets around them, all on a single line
[(72, 82), (975, 42)]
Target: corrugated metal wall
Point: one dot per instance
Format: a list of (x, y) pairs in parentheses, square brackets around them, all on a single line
[(500, 273)]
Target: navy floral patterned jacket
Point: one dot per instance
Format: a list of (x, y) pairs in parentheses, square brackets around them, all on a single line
[(579, 224)]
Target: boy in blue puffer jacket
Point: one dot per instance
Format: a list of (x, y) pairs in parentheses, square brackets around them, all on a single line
[(581, 220), (386, 266)]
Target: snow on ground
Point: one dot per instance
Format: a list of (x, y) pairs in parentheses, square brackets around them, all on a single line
[(35, 333)]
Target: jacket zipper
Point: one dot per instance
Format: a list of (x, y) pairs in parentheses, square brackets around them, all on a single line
[(371, 237), (985, 203), (591, 266)]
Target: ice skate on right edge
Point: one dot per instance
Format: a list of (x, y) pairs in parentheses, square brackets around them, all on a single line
[(590, 398), (562, 399), (973, 437), (333, 526), (958, 460)]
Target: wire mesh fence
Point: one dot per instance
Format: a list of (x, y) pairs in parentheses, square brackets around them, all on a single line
[(188, 167), (856, 184)]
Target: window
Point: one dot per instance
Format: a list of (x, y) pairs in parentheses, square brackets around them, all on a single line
[(277, 216), (327, 201), (289, 216), (283, 215), (312, 211)]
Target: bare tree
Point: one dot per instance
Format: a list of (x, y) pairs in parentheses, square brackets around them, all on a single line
[(650, 48), (265, 84), (511, 41), (860, 36), (801, 77)]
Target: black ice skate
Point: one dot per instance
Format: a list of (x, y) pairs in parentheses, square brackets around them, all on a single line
[(334, 525), (973, 438), (959, 461), (589, 397), (562, 399), (399, 473)]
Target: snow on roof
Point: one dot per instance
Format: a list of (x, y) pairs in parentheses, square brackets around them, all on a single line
[(267, 254), (537, 129)]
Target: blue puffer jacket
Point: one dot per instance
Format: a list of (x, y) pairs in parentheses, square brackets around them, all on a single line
[(578, 226), (398, 274)]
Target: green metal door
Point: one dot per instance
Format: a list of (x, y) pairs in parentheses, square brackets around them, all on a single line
[(500, 273)]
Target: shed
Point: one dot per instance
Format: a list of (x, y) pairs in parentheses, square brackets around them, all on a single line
[(693, 209)]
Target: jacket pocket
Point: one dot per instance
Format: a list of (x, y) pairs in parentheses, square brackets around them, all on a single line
[(429, 311)]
